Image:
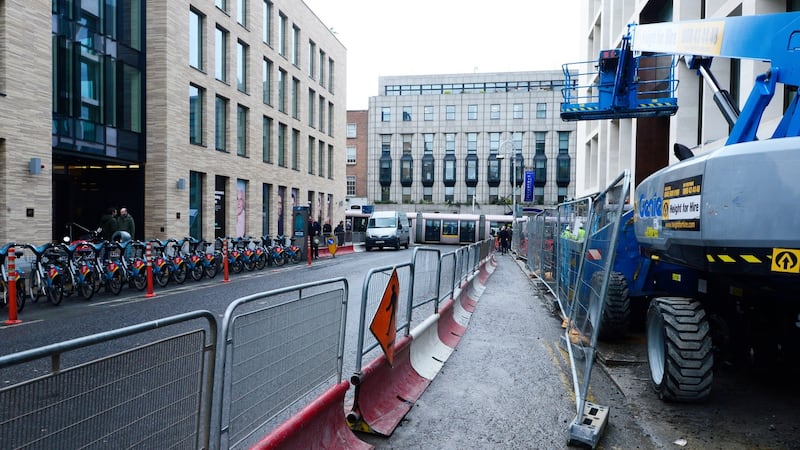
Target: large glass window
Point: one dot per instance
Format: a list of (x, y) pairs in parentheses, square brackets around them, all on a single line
[(312, 57), (221, 4), (196, 205), (221, 124), (406, 113), (295, 97), (242, 51), (427, 113), (295, 149), (221, 54), (351, 186), (282, 24), (282, 90), (386, 114), (450, 112), (312, 147), (266, 194), (266, 22), (472, 112), (241, 130), (266, 139), (517, 111), (494, 111), (352, 130), (312, 106), (196, 105), (351, 154), (266, 81), (241, 12), (295, 45), (196, 39), (282, 145), (321, 159), (541, 110)]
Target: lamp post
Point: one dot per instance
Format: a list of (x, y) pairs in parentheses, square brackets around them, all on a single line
[(501, 156)]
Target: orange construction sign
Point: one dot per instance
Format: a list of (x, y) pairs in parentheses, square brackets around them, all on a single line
[(384, 324)]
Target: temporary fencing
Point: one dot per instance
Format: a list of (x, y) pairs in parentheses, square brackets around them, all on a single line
[(274, 355), (156, 395), (271, 378)]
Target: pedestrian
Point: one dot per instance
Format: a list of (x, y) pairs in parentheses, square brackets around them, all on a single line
[(503, 235), (125, 222), (314, 231), (326, 229), (339, 231), (108, 223)]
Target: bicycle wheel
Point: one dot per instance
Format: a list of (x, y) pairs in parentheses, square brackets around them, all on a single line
[(139, 280), (114, 284), (261, 261), (35, 287), (20, 294), (250, 264), (211, 269), (162, 277), (279, 259), (297, 257), (4, 291), (179, 274), (55, 291), (86, 287), (197, 271), (237, 266)]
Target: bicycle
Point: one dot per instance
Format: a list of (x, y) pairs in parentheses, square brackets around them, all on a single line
[(46, 279), (19, 281), (79, 275), (160, 266)]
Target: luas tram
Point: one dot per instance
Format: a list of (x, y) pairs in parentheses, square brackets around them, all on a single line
[(442, 228)]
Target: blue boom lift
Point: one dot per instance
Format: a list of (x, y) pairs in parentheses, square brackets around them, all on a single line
[(717, 247)]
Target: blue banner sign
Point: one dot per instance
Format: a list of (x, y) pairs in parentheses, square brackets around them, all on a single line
[(529, 185)]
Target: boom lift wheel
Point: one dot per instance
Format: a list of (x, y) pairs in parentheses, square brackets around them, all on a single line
[(617, 308), (679, 349)]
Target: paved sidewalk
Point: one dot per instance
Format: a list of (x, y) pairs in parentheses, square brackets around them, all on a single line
[(508, 385)]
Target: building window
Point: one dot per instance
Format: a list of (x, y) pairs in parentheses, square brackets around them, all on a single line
[(330, 120), (351, 186), (562, 194), (538, 195), (266, 81), (241, 130), (427, 113), (385, 162), (427, 193), (428, 165), (494, 143), (196, 204), (330, 162), (517, 111), (266, 139), (282, 145), (541, 110), (450, 112), (311, 149), (427, 142), (197, 97), (352, 131), (281, 90), (449, 170), (406, 194), (295, 46), (196, 21), (221, 4), (538, 138), (221, 55), (241, 12), (321, 114), (449, 194), (322, 58), (266, 23), (312, 57), (470, 194), (472, 112), (450, 143), (472, 143), (266, 195), (351, 155), (386, 114), (321, 159), (312, 99), (295, 149), (493, 170), (406, 113), (221, 124), (241, 66), (494, 111), (563, 165), (283, 22), (330, 75), (295, 97), (407, 143), (385, 193), (471, 174)]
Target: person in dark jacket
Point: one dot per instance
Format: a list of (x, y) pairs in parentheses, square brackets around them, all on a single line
[(504, 235), (314, 232), (108, 223), (125, 222)]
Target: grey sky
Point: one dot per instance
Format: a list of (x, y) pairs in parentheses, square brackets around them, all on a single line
[(416, 37)]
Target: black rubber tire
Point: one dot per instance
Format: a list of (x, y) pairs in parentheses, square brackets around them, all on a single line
[(114, 284), (86, 289), (261, 261), (163, 276), (55, 292), (20, 294), (617, 308), (236, 265), (197, 271), (179, 274), (279, 260), (297, 257), (679, 349), (250, 264), (139, 281)]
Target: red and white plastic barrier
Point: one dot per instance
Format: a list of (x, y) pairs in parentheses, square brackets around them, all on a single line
[(452, 323), (428, 352), (319, 425), (384, 394)]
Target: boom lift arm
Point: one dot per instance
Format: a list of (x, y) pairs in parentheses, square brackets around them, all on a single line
[(771, 37)]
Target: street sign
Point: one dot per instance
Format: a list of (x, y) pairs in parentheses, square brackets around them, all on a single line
[(384, 324)]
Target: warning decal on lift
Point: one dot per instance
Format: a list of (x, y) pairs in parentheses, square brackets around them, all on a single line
[(785, 260), (681, 207)]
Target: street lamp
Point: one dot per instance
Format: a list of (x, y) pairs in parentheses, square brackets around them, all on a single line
[(501, 156)]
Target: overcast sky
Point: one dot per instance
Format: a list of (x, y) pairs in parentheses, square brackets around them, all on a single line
[(421, 37)]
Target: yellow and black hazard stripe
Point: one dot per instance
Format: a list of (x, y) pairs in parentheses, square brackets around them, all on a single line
[(763, 261)]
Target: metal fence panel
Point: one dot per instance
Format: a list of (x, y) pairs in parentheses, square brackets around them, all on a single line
[(597, 261), (427, 267), (447, 278), (276, 354), (569, 248), (156, 395)]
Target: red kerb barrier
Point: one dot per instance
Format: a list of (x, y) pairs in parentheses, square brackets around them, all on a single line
[(320, 425), (450, 331), (385, 394)]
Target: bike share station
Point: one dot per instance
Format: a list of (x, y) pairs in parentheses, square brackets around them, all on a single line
[(300, 216)]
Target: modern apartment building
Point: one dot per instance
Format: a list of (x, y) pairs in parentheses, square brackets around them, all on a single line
[(204, 117), (446, 142), (607, 147)]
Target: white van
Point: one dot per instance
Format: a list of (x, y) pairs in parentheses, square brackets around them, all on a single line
[(387, 229)]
